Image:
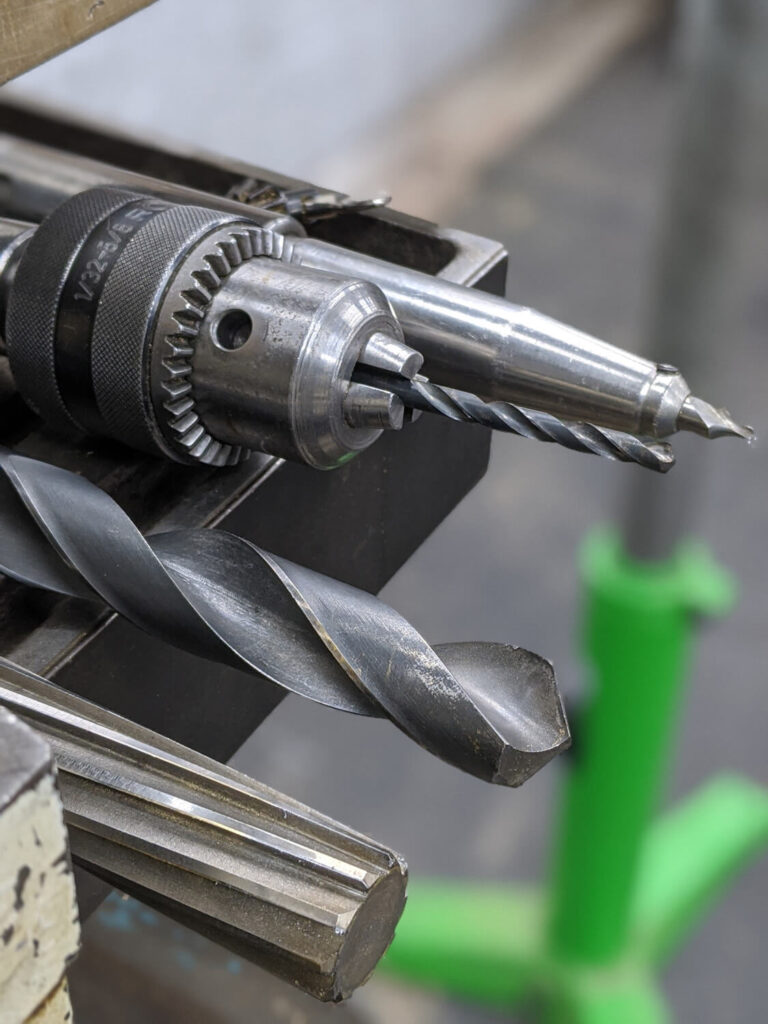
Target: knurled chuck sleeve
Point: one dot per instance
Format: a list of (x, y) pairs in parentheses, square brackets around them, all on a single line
[(82, 312)]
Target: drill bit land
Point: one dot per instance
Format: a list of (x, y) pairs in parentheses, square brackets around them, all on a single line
[(490, 709)]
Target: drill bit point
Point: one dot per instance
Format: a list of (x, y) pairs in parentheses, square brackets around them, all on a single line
[(492, 710), (516, 692), (702, 418), (662, 454)]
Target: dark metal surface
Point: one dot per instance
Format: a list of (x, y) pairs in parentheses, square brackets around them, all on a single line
[(490, 709), (359, 523), (354, 523)]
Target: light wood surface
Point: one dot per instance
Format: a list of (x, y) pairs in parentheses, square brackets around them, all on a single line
[(39, 929), (32, 31)]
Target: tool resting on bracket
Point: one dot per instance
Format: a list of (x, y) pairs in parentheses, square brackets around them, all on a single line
[(490, 709), (182, 331), (467, 340), (300, 894)]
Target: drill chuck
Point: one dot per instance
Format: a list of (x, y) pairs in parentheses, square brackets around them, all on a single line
[(178, 330)]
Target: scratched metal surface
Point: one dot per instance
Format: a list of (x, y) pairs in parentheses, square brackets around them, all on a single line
[(575, 206)]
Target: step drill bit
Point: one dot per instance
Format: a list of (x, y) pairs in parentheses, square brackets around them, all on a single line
[(299, 894), (492, 710), (421, 394), (216, 387), (469, 340)]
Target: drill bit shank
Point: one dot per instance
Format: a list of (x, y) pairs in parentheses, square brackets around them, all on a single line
[(490, 709)]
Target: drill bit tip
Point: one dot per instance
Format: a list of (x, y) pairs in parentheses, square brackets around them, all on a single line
[(492, 710), (702, 418)]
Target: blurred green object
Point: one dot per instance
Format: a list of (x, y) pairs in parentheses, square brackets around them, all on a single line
[(626, 890), (638, 632)]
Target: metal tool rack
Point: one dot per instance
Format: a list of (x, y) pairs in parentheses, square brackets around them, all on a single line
[(359, 523)]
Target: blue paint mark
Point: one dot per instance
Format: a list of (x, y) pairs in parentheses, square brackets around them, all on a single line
[(117, 914), (186, 960), (234, 966), (148, 917)]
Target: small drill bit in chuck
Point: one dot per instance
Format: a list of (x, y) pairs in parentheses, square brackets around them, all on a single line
[(464, 407), (491, 709)]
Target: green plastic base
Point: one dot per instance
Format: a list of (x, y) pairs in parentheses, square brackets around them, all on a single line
[(488, 943)]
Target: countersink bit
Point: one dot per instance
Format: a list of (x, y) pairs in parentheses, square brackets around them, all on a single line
[(492, 710), (300, 894), (420, 393)]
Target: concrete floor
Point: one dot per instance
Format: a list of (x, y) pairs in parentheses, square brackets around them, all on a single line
[(576, 207)]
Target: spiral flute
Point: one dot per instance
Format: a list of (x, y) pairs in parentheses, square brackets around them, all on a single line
[(492, 710), (464, 407)]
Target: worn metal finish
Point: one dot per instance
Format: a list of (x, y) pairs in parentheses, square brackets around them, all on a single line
[(39, 927), (177, 330), (283, 387), (421, 394), (352, 523), (492, 710), (474, 342), (245, 352), (300, 894)]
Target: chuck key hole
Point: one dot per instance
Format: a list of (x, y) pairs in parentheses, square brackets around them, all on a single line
[(233, 330)]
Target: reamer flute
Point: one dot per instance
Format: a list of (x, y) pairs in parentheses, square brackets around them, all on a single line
[(298, 893), (469, 340)]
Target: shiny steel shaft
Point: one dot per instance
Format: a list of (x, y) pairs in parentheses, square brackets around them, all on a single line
[(305, 897), (464, 407), (469, 340), (492, 710)]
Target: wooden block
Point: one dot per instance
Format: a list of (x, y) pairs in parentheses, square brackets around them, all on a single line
[(39, 928), (32, 31)]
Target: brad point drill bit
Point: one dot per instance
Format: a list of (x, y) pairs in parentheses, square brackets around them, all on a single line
[(492, 710), (420, 393)]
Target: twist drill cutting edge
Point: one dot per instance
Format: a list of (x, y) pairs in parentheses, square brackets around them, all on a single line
[(492, 710)]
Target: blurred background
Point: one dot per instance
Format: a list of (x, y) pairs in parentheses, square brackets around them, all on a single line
[(550, 126)]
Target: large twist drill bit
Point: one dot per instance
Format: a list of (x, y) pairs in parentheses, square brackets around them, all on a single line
[(423, 395), (490, 709)]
